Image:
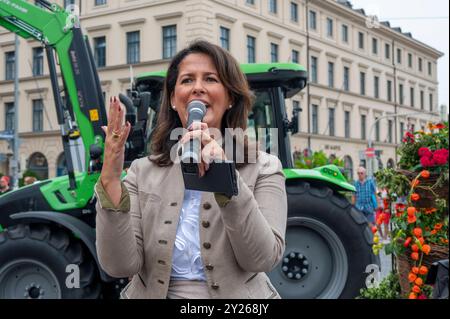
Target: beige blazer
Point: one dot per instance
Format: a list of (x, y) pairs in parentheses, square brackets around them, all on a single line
[(239, 242)]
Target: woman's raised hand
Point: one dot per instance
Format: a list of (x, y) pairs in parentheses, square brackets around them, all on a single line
[(114, 151)]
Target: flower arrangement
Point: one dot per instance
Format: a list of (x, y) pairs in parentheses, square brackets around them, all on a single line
[(420, 222)]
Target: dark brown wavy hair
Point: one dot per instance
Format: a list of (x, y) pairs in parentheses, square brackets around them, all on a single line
[(235, 83)]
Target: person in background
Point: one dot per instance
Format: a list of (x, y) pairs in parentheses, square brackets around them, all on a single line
[(4, 185), (363, 199), (28, 180), (384, 215)]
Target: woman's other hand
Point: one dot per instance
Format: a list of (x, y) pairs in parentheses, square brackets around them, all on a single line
[(211, 150)]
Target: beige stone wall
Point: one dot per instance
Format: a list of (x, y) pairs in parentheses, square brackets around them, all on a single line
[(203, 19)]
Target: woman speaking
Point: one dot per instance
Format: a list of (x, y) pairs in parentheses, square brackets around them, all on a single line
[(179, 243)]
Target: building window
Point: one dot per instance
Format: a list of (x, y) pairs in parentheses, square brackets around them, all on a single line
[(377, 129), (38, 61), (346, 79), (330, 27), (313, 69), (411, 94), (363, 127), (296, 105), (362, 83), (250, 2), (10, 59), (347, 124), (410, 62), (274, 52), (312, 20), (429, 69), (399, 56), (420, 65), (225, 38), (133, 47), (422, 100), (38, 118), (9, 116), (68, 2), (361, 40), (400, 92), (295, 56), (170, 41), (431, 102), (375, 46), (100, 51), (389, 90), (331, 74), (100, 2), (315, 119), (273, 6), (294, 12), (251, 50), (376, 88), (402, 129), (387, 51), (345, 33), (38, 164), (61, 165), (390, 126), (331, 121)]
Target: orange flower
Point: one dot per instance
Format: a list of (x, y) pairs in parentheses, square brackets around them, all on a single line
[(417, 232), (412, 296), (415, 270), (416, 289), (415, 248), (425, 174), (415, 183), (407, 241), (411, 211), (438, 226), (423, 270), (411, 219), (418, 281), (430, 210), (426, 249), (415, 197), (433, 232), (415, 256), (412, 277), (444, 240), (374, 229), (421, 240)]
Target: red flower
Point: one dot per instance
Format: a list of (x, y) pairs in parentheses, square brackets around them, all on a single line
[(422, 296), (426, 161), (439, 126), (425, 151)]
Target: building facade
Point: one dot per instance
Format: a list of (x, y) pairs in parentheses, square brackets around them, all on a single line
[(362, 72)]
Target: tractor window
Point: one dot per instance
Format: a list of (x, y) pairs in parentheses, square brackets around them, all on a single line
[(261, 119)]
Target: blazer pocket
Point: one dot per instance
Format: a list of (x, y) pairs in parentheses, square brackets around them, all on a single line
[(260, 288), (135, 289)]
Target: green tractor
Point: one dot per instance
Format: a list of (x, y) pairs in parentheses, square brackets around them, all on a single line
[(47, 230)]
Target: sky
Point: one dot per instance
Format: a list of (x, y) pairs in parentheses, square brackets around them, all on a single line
[(428, 22)]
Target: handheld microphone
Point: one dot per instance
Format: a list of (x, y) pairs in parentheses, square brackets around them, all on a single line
[(191, 150)]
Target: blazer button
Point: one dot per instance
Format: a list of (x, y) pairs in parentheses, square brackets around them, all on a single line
[(207, 245), (209, 267), (207, 205), (205, 223), (215, 286)]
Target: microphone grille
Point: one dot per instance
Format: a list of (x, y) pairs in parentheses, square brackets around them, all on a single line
[(196, 106)]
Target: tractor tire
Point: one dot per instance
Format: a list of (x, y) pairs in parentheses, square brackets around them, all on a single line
[(328, 246), (33, 261)]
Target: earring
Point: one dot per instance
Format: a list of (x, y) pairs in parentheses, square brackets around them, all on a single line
[(230, 106), (173, 107)]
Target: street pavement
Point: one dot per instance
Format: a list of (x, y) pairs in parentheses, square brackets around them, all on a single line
[(386, 264)]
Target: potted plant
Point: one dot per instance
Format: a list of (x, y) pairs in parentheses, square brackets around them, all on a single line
[(419, 222)]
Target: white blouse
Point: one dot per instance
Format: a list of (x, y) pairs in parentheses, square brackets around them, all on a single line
[(186, 260)]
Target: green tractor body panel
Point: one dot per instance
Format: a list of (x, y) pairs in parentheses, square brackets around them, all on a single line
[(329, 174)]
